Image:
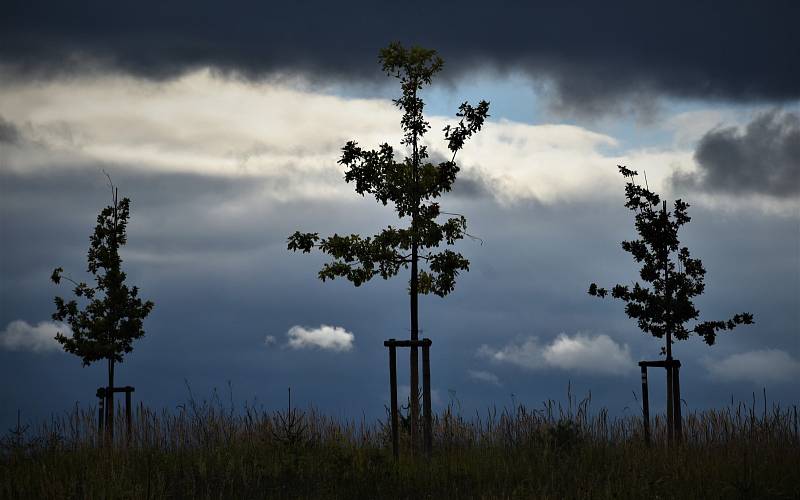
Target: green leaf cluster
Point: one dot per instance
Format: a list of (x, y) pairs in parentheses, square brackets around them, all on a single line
[(410, 183), (664, 303)]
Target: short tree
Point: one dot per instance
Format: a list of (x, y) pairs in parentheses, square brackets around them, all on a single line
[(112, 317), (411, 184), (663, 308)]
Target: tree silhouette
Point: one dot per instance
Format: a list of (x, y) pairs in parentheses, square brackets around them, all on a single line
[(664, 308), (112, 317), (411, 184)]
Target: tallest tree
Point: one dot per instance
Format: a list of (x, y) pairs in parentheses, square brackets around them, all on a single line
[(412, 184)]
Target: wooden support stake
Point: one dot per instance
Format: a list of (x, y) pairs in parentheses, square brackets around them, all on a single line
[(674, 418), (100, 414), (128, 412), (426, 396), (393, 344), (670, 405), (645, 406), (676, 391), (110, 414), (393, 385)]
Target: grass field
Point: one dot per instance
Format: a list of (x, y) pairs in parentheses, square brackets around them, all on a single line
[(210, 450)]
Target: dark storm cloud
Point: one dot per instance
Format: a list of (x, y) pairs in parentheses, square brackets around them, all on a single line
[(764, 158), (598, 55), (471, 184), (9, 133)]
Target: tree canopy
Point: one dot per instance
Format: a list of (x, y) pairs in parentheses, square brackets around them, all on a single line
[(113, 315), (411, 184), (664, 304)]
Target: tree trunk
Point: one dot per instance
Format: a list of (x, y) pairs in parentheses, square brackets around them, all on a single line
[(413, 352), (414, 360), (667, 305), (110, 403), (668, 328), (110, 391)]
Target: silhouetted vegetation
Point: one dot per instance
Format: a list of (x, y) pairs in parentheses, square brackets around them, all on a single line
[(664, 308), (411, 184), (207, 449), (112, 318), (210, 450)]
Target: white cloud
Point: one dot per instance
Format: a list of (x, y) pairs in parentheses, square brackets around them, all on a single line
[(199, 123), (332, 338), (205, 123), (270, 340), (760, 366), (579, 353), (583, 353), (484, 376), (21, 336), (526, 353), (689, 126), (543, 162), (208, 124)]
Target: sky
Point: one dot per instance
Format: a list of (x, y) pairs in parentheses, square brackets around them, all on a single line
[(224, 122)]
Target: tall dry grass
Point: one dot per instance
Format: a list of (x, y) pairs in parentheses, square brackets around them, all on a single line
[(209, 448)]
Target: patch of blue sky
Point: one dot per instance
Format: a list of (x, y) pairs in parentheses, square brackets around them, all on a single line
[(665, 124), (512, 96)]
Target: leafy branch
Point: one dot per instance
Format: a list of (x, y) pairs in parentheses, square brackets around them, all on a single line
[(663, 305)]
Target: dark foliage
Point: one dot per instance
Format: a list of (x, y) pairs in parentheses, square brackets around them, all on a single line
[(113, 315), (664, 304), (409, 184)]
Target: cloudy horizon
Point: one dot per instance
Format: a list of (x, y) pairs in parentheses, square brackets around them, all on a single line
[(227, 140)]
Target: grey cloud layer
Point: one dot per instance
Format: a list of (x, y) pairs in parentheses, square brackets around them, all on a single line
[(758, 367), (210, 251), (596, 54), (763, 158)]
